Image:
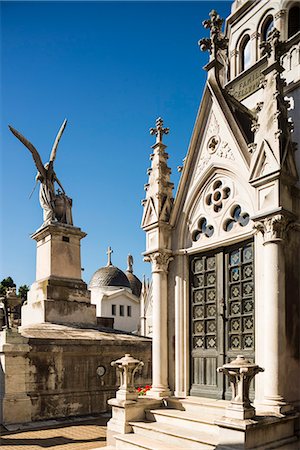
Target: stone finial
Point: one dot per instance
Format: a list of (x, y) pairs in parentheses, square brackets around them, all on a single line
[(127, 368), (216, 41), (109, 252), (272, 47), (129, 263), (159, 130), (240, 372)]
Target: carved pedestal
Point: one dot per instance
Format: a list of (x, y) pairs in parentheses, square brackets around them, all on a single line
[(127, 368), (240, 373), (58, 295), (127, 406)]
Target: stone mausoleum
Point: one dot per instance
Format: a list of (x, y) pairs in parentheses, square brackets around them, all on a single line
[(225, 252)]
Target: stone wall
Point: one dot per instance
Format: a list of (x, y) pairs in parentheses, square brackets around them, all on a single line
[(64, 371)]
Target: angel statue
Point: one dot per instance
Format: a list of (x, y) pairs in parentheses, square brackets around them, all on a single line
[(57, 206)]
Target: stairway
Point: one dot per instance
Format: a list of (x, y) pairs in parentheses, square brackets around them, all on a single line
[(181, 425)]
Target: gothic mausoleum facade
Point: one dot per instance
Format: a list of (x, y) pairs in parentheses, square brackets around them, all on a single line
[(225, 252)]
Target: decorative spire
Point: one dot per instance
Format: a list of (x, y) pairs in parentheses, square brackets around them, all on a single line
[(129, 263), (159, 131), (273, 111), (159, 197), (109, 252), (216, 41)]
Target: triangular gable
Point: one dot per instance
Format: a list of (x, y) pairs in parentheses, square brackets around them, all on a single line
[(150, 215), (120, 292), (216, 140), (264, 163)]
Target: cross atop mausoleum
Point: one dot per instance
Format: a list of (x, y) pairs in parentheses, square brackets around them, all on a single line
[(159, 131), (216, 41), (109, 252)]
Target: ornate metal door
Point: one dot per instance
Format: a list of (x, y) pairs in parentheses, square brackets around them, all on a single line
[(222, 315)]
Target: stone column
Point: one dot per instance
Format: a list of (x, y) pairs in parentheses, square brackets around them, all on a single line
[(181, 327), (160, 386), (274, 232)]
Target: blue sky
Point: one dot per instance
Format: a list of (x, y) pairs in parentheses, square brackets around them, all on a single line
[(111, 68)]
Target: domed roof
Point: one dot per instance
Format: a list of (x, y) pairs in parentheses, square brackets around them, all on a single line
[(135, 283), (109, 276)]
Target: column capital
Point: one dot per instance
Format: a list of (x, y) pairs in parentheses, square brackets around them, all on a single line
[(274, 228), (160, 261)]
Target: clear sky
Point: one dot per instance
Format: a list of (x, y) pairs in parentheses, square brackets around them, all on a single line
[(110, 68)]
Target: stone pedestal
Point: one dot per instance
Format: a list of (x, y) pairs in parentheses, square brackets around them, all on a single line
[(240, 373), (125, 411), (58, 295), (127, 368), (127, 406)]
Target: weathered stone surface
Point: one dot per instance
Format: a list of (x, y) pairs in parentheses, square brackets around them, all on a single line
[(59, 373)]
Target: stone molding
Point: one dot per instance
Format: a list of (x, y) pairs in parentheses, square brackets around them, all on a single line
[(280, 13), (274, 228), (159, 260)]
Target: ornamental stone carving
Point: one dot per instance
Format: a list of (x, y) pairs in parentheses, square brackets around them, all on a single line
[(240, 372), (127, 368), (159, 260), (274, 228), (217, 41)]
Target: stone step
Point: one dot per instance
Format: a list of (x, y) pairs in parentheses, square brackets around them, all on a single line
[(172, 435), (199, 405), (137, 442), (184, 419)]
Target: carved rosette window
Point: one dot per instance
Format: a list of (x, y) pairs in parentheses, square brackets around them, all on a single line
[(237, 217), (204, 307), (215, 198), (240, 274)]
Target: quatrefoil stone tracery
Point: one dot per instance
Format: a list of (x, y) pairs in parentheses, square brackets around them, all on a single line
[(217, 195)]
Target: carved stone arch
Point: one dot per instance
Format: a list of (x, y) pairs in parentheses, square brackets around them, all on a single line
[(263, 25), (241, 193)]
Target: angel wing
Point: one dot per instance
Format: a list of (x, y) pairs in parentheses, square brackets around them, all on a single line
[(55, 145), (33, 150)]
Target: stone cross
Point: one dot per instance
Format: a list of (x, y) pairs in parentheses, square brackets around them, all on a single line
[(216, 41), (109, 252), (159, 131)]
